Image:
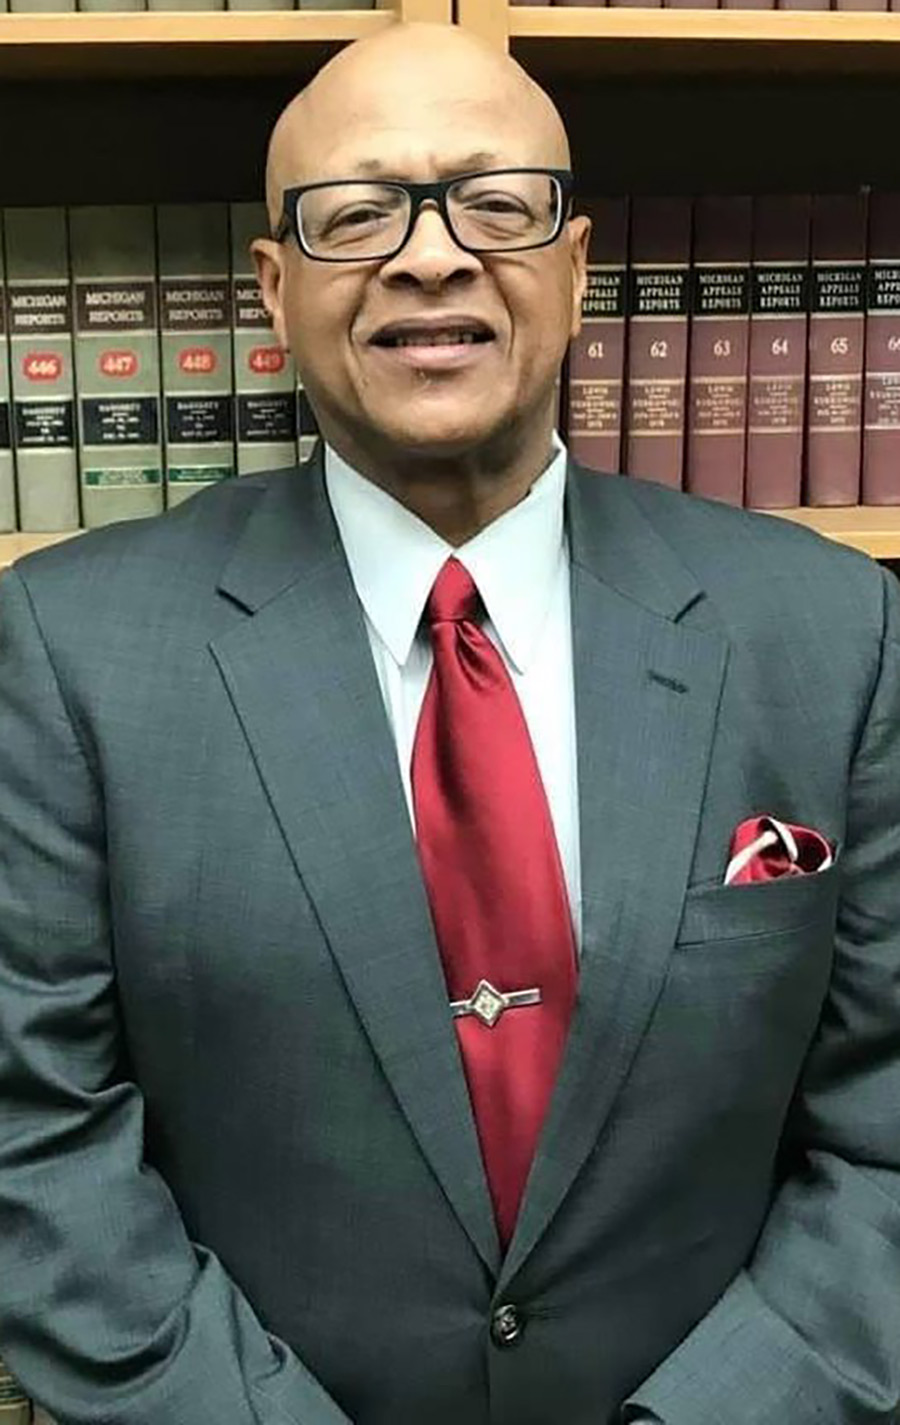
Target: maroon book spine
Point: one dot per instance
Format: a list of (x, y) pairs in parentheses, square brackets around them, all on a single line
[(881, 411), (597, 353), (861, 5), (837, 333), (657, 338), (779, 310), (719, 348)]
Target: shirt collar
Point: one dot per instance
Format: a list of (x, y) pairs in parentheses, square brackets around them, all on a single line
[(394, 557)]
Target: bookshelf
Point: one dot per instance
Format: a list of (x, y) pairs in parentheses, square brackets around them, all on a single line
[(874, 531), (728, 100)]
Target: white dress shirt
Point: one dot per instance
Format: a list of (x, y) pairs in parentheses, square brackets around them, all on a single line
[(520, 564)]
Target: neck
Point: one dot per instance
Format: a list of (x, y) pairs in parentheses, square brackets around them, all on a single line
[(458, 495)]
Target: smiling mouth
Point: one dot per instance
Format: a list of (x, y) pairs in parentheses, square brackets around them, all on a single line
[(432, 336)]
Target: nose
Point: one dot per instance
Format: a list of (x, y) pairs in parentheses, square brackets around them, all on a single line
[(430, 256)]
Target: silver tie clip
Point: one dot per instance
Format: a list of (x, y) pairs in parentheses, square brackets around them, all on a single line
[(487, 1003)]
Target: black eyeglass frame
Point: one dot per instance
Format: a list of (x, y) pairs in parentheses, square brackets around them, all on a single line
[(419, 193)]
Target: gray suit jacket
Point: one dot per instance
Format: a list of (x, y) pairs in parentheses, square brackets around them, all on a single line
[(239, 1180)]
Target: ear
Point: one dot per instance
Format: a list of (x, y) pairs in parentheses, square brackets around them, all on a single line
[(579, 235), (269, 260)]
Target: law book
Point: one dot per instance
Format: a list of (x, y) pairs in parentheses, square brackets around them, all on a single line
[(860, 5), (41, 7), (117, 362), (265, 381), (595, 372), (881, 408), (307, 425), (657, 338), (202, 5), (7, 468), (256, 5), (837, 332), (94, 6), (15, 1407), (195, 342), (747, 5), (779, 308), (39, 326), (719, 348)]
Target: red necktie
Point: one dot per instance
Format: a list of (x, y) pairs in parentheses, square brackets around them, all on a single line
[(495, 885)]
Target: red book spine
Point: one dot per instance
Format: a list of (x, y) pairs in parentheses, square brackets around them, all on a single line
[(657, 338), (881, 419), (837, 331), (597, 353), (779, 308), (719, 347)]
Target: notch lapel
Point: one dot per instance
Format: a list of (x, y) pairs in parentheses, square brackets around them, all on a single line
[(300, 676), (648, 679)]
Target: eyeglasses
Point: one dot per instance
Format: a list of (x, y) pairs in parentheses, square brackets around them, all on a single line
[(357, 220)]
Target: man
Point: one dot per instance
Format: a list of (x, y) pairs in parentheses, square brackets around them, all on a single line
[(380, 1040)]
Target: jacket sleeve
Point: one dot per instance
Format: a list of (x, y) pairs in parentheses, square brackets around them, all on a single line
[(809, 1332), (109, 1315)]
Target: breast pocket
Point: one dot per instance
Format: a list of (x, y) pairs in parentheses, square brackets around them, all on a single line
[(762, 908)]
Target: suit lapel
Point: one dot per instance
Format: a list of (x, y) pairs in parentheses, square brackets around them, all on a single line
[(300, 675), (647, 685)]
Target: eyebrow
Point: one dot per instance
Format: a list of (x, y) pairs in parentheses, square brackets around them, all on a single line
[(375, 168)]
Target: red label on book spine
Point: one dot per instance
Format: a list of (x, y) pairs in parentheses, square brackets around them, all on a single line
[(597, 354), (836, 349), (720, 330), (881, 411), (778, 348), (658, 338)]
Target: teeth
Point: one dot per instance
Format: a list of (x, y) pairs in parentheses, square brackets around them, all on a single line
[(444, 338)]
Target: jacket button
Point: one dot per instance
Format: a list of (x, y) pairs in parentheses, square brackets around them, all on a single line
[(506, 1326)]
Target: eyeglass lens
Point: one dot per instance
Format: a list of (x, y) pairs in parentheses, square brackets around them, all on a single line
[(489, 211)]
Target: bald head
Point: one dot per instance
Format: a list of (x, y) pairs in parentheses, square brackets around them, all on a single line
[(397, 95)]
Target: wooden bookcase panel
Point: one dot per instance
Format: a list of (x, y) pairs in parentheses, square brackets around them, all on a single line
[(875, 531)]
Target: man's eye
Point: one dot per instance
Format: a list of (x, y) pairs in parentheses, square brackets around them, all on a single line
[(357, 217)]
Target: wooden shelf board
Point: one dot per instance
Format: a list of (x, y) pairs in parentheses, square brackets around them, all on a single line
[(175, 43), (14, 546), (582, 42), (875, 529)]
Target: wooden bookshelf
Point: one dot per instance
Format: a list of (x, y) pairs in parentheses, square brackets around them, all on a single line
[(584, 42), (163, 45), (874, 530)]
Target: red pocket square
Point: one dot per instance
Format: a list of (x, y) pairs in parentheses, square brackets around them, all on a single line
[(763, 848)]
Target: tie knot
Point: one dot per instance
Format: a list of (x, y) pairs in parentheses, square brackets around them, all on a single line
[(453, 596)]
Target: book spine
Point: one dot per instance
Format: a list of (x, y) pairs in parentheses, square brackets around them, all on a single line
[(747, 5), (860, 5), (195, 5), (657, 338), (39, 308), (195, 340), (41, 7), (265, 381), (95, 6), (837, 328), (307, 425), (117, 363), (779, 307), (255, 4), (881, 419), (7, 470), (719, 349), (15, 1407), (597, 354)]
